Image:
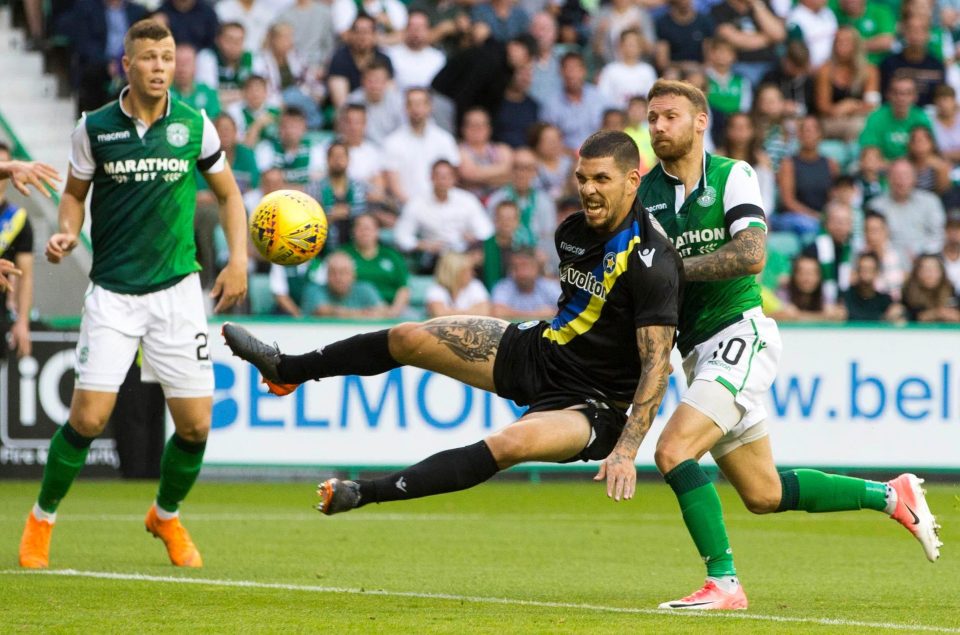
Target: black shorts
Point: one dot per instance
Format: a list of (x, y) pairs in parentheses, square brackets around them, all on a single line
[(520, 374)]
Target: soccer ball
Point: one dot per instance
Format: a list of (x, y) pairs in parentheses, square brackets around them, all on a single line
[(288, 227)]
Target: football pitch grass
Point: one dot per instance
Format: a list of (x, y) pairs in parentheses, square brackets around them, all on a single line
[(508, 556)]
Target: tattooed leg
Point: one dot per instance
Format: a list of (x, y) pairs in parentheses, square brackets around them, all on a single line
[(463, 347)]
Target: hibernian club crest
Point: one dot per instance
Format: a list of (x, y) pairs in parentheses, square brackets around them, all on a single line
[(708, 197), (177, 135)]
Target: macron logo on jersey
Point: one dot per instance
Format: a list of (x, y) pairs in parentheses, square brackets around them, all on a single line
[(646, 256), (579, 251), (657, 207), (106, 137)]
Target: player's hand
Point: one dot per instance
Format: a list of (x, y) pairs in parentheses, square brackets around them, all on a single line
[(621, 475), (59, 247), (7, 268), (20, 339), (230, 286), (23, 174)]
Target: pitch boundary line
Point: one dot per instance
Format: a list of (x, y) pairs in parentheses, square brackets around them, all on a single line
[(252, 584)]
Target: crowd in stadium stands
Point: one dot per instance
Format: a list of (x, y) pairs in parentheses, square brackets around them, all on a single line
[(440, 137)]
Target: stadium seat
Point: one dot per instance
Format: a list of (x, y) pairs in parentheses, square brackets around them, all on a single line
[(418, 290)]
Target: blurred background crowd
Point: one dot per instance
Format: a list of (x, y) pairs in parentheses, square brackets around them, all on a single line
[(440, 136)]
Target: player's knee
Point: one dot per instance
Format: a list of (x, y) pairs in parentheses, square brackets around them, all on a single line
[(404, 340), (669, 455), (195, 433), (761, 502), (88, 424), (507, 448)]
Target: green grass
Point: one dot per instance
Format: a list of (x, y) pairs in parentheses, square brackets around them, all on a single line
[(545, 543)]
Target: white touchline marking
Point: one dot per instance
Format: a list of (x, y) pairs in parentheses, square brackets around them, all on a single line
[(251, 584)]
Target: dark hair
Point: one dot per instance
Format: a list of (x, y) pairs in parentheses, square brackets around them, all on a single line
[(943, 90), (6, 148), (844, 180), (145, 30), (631, 31), (875, 215), (225, 117), (377, 64), (254, 78), (361, 16), (812, 301), (337, 143), (528, 42), (918, 298), (293, 111), (230, 25), (572, 55), (506, 203), (535, 131), (869, 255), (440, 162), (612, 143), (417, 89), (355, 107), (798, 52)]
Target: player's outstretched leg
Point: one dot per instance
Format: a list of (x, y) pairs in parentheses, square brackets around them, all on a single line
[(913, 513), (365, 354), (67, 455), (447, 471)]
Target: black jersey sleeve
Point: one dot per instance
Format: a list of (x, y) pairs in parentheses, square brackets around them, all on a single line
[(656, 280)]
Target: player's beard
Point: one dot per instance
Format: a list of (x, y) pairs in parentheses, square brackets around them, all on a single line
[(673, 149)]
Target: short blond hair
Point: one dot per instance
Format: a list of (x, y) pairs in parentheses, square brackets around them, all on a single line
[(449, 266), (679, 88)]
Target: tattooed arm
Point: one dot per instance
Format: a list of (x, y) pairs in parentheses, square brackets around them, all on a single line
[(654, 344), (744, 255)]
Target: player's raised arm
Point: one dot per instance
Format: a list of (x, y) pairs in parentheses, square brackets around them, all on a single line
[(71, 213), (23, 174), (654, 344)]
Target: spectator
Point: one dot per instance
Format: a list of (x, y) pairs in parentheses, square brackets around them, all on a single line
[(484, 165), (741, 143), (526, 294), (366, 162), (379, 265), (871, 178), (389, 17), (578, 109), (545, 71), (415, 62), (227, 66), (342, 198), (554, 165), (255, 16), (186, 89), (383, 103), (915, 217), (445, 219), (518, 111), (411, 151), (754, 30), (792, 75), (951, 247), (775, 130), (343, 296), (946, 124), (893, 267), (874, 22), (804, 182), (727, 92), (456, 290), (243, 162), (191, 22), (504, 18), (889, 126), (497, 248), (538, 213), (914, 61), (16, 245), (928, 295), (358, 52), (295, 154), (682, 34), (816, 25), (615, 18), (844, 192), (97, 46), (832, 249), (288, 79), (933, 171), (256, 120), (613, 119), (862, 300), (803, 299), (639, 130), (313, 37), (622, 79), (847, 87)]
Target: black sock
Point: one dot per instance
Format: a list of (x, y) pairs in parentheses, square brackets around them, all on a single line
[(447, 471), (366, 354)]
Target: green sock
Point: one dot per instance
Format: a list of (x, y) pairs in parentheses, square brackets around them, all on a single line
[(817, 492), (703, 516), (179, 468), (65, 459)]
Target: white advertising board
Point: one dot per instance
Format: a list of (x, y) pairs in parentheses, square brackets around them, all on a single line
[(844, 397)]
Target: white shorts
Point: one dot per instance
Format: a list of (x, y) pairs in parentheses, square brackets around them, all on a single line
[(743, 359), (171, 325)]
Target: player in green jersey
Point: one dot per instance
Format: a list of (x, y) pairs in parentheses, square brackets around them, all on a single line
[(138, 155), (710, 206)]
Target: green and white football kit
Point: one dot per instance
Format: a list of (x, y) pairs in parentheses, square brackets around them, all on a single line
[(144, 285), (723, 336)]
